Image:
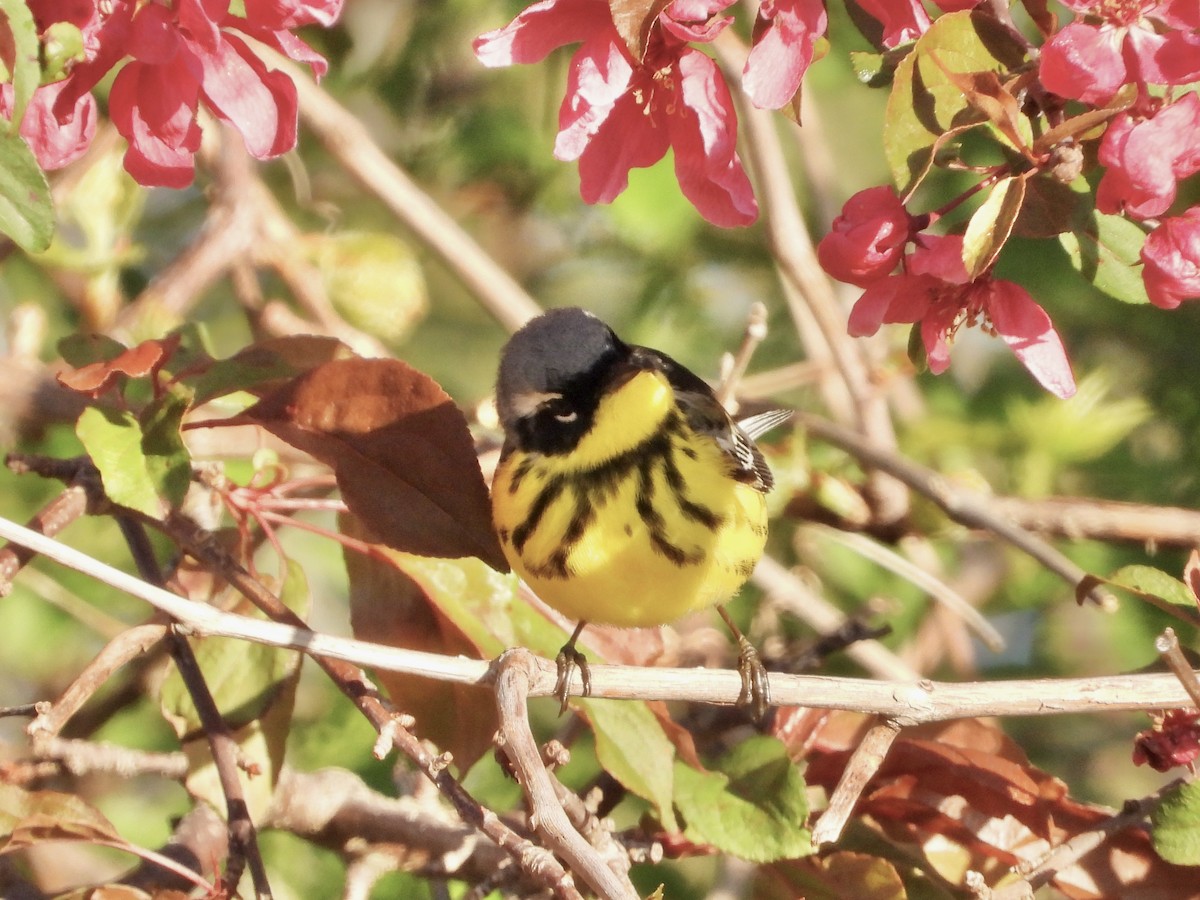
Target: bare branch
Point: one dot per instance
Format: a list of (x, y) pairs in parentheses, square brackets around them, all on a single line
[(515, 671), (907, 702)]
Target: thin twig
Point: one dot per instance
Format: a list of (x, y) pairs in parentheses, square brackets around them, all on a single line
[(1095, 519), (1167, 645), (965, 506), (790, 593), (915, 575), (819, 318), (85, 757), (868, 756), (131, 644), (243, 837), (50, 520), (1039, 872), (755, 334)]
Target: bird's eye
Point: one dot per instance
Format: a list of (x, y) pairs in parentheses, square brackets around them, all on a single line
[(562, 411)]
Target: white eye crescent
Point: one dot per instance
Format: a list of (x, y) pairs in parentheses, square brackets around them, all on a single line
[(566, 417)]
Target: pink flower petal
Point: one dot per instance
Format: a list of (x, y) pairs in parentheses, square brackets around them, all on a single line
[(783, 51), (1028, 331), (161, 150), (867, 239), (939, 256), (625, 140), (599, 77), (1084, 62), (543, 27), (55, 139), (259, 103), (704, 136), (280, 15), (902, 20)]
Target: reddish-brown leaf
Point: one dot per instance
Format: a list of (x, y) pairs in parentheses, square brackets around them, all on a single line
[(634, 19), (985, 92), (136, 362), (969, 783), (388, 606), (400, 449)]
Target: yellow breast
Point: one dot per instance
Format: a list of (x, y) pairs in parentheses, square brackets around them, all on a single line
[(636, 526)]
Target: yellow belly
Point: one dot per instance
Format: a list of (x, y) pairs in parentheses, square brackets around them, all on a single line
[(624, 537)]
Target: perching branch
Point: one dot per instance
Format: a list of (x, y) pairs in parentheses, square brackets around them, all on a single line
[(907, 703)]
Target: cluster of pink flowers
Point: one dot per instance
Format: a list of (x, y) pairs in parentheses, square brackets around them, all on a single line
[(867, 242), (638, 91), (625, 107), (1148, 148), (174, 57), (622, 112)]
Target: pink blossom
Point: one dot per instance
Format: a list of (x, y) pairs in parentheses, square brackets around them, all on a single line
[(1133, 42), (936, 292), (1146, 155), (620, 113), (867, 240), (1171, 260), (56, 137), (179, 57), (1173, 740), (785, 35)]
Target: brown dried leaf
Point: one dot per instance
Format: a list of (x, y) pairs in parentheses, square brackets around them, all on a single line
[(400, 449), (634, 19), (32, 817), (387, 606), (136, 362)]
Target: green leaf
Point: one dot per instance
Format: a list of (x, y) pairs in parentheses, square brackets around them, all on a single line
[(26, 71), (1106, 253), (243, 677), (113, 439), (1146, 581), (167, 460), (991, 225), (26, 208), (925, 105), (872, 69), (1175, 825), (81, 349), (753, 806), (632, 747)]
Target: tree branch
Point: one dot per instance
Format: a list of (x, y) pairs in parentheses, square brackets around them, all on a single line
[(908, 703)]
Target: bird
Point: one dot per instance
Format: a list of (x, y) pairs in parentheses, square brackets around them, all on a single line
[(625, 494)]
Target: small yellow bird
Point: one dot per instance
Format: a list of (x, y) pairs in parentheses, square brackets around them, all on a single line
[(625, 493)]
